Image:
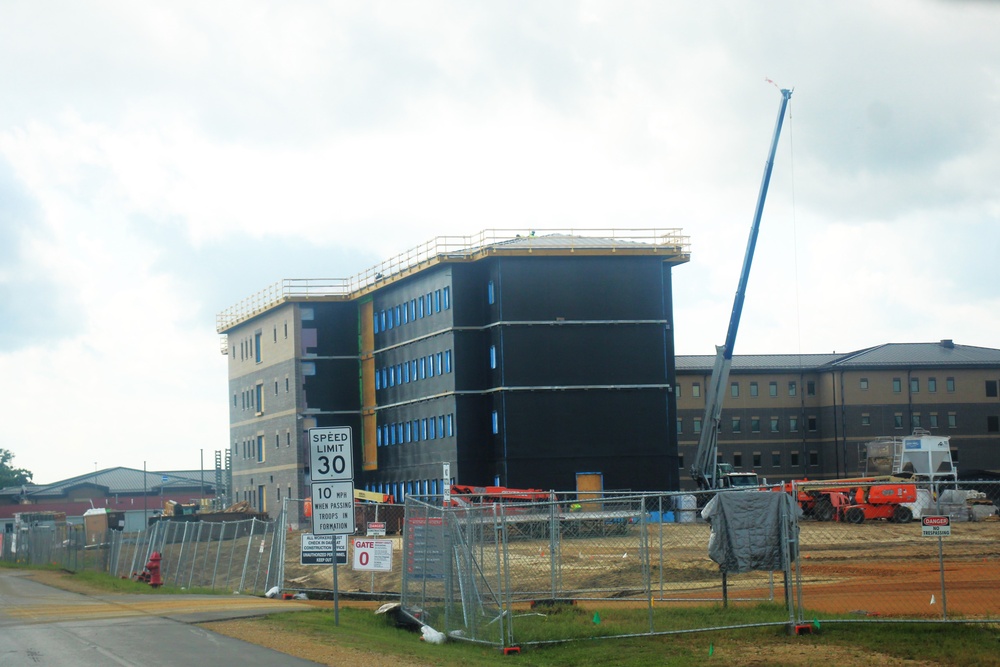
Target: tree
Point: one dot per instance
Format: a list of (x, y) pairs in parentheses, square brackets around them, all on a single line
[(10, 476)]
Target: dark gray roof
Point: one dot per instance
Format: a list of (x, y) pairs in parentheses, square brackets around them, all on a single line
[(943, 353), (123, 481), (890, 355), (755, 362)]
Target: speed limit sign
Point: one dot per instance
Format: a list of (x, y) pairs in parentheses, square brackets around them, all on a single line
[(331, 454)]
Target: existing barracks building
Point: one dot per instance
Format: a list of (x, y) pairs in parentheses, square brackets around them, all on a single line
[(546, 360)]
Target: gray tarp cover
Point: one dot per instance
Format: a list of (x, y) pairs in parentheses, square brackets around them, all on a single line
[(746, 529)]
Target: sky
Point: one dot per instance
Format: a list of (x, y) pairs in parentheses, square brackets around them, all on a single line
[(160, 162)]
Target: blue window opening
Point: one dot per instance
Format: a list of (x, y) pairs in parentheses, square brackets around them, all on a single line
[(450, 423), (256, 347), (378, 380), (376, 329), (399, 317), (447, 298), (416, 430), (447, 361), (408, 433), (440, 363), (423, 368), (423, 428), (493, 356), (378, 437), (406, 372), (491, 296), (413, 309), (431, 430), (496, 422), (388, 318), (440, 426), (392, 376), (406, 314), (420, 305), (437, 301), (430, 365)]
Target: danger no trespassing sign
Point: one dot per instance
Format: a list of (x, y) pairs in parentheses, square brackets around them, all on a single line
[(936, 526)]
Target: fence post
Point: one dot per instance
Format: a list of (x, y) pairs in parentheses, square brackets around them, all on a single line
[(246, 559), (218, 552)]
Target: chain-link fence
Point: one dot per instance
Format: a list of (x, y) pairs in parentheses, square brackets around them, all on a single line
[(857, 552), (488, 570), (237, 556)]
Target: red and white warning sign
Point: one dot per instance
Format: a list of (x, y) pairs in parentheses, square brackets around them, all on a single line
[(936, 526), (373, 555)]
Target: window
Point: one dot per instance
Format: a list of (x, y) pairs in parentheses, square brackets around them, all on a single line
[(447, 361), (496, 422), (696, 427), (811, 423), (680, 425), (734, 389), (793, 424), (286, 385), (915, 420), (491, 296), (437, 301), (736, 424), (949, 384), (413, 309), (275, 333), (774, 424), (991, 388), (864, 384), (897, 385), (275, 387), (814, 458), (932, 385), (423, 367), (432, 429), (440, 362), (260, 449), (792, 388), (260, 398), (256, 347), (897, 420), (737, 460), (810, 388), (696, 390), (420, 306), (447, 297), (406, 314), (680, 461), (756, 459), (793, 459), (933, 419), (772, 389), (277, 440), (755, 424), (753, 389), (430, 365), (493, 356), (914, 385), (866, 419), (450, 425), (677, 391), (952, 420), (993, 424), (776, 459)]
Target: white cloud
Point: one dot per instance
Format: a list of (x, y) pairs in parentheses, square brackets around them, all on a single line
[(153, 136)]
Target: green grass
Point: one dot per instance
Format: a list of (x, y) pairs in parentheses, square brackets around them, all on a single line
[(945, 644), (106, 582)]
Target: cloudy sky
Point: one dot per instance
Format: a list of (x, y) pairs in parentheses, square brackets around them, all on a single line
[(161, 161)]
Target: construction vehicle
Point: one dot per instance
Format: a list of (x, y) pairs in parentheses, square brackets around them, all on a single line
[(706, 470), (921, 457), (854, 500), (497, 494)]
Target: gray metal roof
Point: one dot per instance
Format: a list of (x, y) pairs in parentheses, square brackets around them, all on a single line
[(890, 355), (757, 362), (943, 353), (123, 481)]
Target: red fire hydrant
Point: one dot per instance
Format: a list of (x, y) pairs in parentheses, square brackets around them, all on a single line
[(153, 570)]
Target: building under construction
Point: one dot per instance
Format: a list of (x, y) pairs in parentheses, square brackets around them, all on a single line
[(534, 359)]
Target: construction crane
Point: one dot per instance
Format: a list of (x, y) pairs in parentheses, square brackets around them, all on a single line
[(706, 471)]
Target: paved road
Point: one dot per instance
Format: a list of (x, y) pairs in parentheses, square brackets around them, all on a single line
[(41, 625)]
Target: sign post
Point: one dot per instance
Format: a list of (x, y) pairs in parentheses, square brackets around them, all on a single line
[(331, 468), (938, 526)]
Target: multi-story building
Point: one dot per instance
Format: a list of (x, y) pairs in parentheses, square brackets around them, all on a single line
[(524, 360), (794, 416)]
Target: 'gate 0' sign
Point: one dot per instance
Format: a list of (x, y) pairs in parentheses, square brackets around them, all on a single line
[(374, 555), (331, 454)]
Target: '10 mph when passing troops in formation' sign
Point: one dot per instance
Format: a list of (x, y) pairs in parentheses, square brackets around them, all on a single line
[(331, 463)]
